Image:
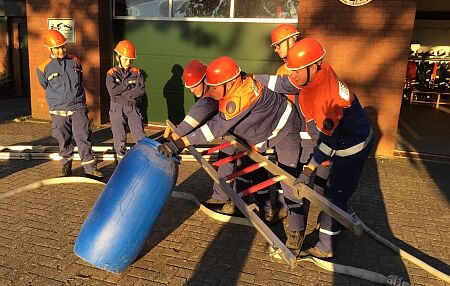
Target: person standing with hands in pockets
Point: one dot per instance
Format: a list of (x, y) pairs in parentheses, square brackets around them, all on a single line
[(126, 89)]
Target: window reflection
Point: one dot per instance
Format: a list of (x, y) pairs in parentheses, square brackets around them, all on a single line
[(269, 9), (142, 8), (286, 9), (202, 8)]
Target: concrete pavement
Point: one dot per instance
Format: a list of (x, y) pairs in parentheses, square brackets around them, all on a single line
[(405, 201)]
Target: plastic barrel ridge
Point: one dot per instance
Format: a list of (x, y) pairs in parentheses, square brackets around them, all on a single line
[(121, 220)]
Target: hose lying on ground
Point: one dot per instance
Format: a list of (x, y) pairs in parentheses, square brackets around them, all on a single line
[(329, 266)]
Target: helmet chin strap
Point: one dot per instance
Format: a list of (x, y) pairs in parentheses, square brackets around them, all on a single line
[(308, 73), (120, 62)]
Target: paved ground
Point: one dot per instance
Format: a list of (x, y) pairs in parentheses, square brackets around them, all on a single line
[(403, 200)]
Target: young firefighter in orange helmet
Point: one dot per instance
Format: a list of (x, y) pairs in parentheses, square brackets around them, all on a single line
[(345, 132), (283, 37), (204, 109), (257, 115), (126, 89), (61, 76)]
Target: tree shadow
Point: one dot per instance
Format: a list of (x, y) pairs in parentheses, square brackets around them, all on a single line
[(173, 92)]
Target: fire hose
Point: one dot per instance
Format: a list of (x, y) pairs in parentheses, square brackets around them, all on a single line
[(326, 265)]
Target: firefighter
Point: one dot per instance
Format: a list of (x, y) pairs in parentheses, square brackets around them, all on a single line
[(61, 76), (346, 137), (126, 89), (257, 115), (283, 37), (203, 110)]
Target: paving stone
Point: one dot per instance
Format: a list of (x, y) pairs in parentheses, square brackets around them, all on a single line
[(400, 199)]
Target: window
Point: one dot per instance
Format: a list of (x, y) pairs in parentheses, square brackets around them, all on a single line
[(210, 10), (285, 9)]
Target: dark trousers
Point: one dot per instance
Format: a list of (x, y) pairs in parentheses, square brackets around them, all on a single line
[(288, 153), (341, 184), (120, 116), (77, 127)]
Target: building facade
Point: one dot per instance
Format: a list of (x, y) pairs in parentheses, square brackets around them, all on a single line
[(367, 45)]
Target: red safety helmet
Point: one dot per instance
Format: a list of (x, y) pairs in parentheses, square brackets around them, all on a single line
[(194, 73), (221, 70), (283, 32), (53, 39), (304, 53), (126, 49)]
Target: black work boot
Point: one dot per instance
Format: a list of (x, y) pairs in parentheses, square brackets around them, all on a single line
[(295, 240), (66, 169), (270, 217)]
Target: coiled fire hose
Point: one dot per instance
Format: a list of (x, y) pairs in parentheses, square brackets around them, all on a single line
[(368, 275)]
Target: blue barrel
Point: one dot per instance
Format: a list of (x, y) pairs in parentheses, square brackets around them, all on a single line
[(121, 220)]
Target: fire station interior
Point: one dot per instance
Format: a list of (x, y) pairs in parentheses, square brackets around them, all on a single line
[(425, 111)]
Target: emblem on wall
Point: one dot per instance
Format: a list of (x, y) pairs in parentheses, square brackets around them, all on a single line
[(355, 2)]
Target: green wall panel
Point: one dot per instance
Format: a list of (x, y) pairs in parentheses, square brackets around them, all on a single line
[(166, 46)]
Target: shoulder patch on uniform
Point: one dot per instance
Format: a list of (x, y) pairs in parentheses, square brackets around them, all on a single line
[(344, 93), (70, 56), (44, 64), (112, 71), (135, 70)]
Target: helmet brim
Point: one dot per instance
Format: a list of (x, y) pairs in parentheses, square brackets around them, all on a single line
[(307, 65), (285, 38), (216, 84)]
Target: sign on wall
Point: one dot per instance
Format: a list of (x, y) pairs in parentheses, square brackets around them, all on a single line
[(65, 26), (355, 2)]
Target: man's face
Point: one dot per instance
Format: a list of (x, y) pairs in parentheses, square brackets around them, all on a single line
[(197, 90), (282, 49), (300, 76), (59, 52), (216, 92), (124, 62)]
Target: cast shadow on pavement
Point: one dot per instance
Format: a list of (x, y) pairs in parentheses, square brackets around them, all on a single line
[(214, 252)]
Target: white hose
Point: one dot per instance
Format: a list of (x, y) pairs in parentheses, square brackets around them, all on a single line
[(329, 266), (52, 181)]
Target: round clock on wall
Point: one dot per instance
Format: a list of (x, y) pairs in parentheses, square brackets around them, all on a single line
[(355, 2)]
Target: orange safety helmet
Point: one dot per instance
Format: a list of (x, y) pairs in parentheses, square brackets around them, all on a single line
[(283, 32), (126, 49), (194, 73), (53, 39), (221, 70), (304, 53)]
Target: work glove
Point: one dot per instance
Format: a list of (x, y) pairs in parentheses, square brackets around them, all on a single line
[(168, 149), (305, 176)]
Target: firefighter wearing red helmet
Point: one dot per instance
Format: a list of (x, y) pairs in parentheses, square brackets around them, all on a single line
[(345, 132), (284, 36), (204, 108), (193, 75), (194, 78), (126, 88), (256, 114), (61, 76)]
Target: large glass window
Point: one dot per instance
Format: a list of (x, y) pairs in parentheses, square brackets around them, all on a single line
[(211, 9), (142, 8), (281, 9), (202, 8)]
